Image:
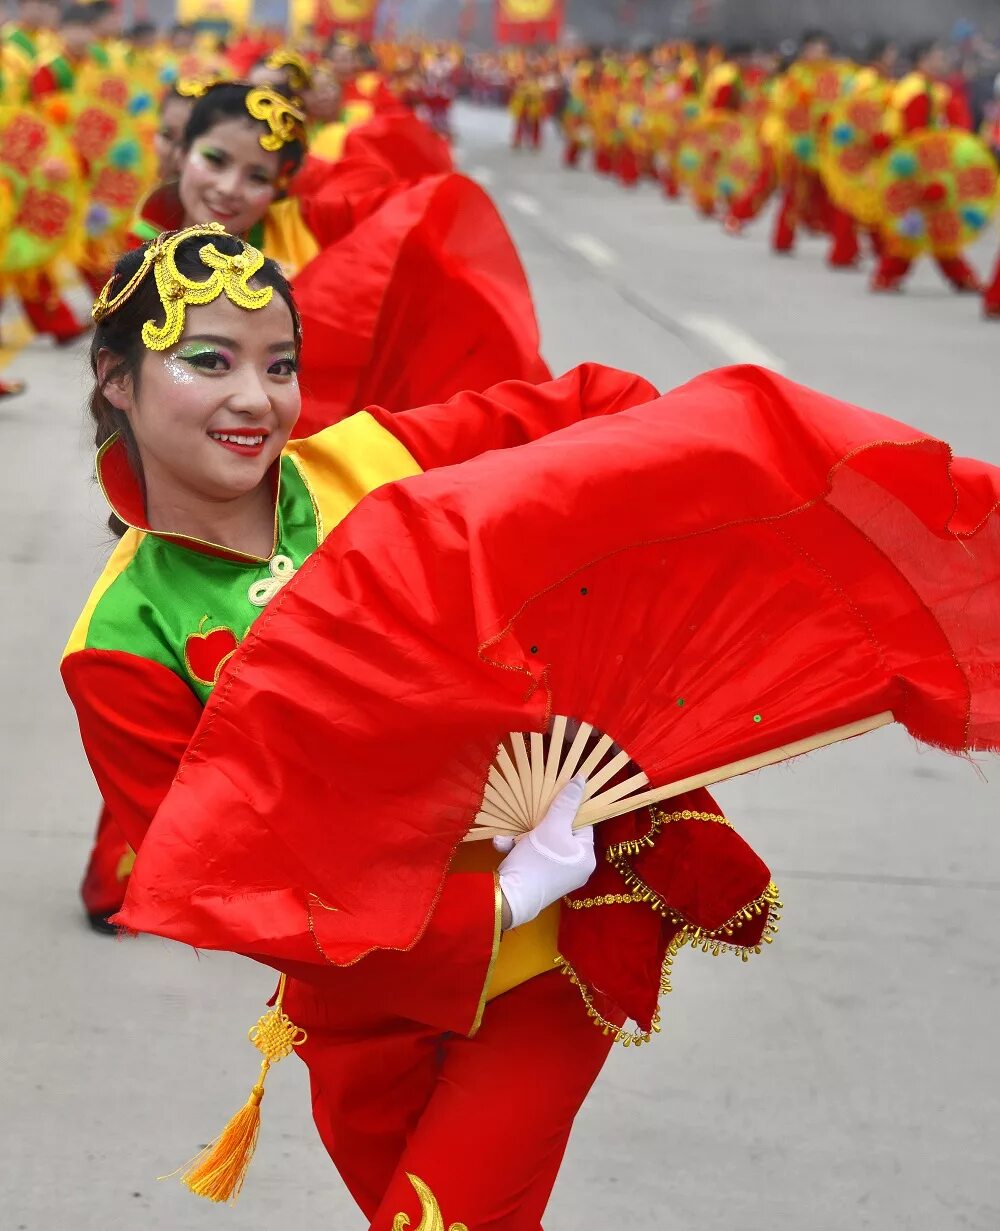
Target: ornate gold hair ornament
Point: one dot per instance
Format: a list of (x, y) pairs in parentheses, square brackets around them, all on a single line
[(229, 275), (299, 73), (196, 87), (285, 121)]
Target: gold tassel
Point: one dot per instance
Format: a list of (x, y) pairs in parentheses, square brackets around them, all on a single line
[(218, 1172)]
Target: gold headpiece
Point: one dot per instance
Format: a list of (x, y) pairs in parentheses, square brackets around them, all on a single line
[(299, 72), (286, 121), (196, 87), (230, 276)]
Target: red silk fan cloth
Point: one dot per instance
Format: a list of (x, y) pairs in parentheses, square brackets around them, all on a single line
[(424, 298), (737, 565)]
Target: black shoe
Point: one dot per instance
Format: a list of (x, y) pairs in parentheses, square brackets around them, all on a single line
[(101, 925)]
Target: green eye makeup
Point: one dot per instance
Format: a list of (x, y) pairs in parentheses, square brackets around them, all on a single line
[(197, 350)]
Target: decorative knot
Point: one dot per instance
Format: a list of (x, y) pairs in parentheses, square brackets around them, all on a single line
[(275, 1036), (282, 571)]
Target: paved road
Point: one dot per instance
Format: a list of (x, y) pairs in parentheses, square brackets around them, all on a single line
[(848, 1078)]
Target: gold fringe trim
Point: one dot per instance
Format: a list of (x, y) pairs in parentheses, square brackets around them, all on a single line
[(688, 934), (604, 899), (627, 1038)]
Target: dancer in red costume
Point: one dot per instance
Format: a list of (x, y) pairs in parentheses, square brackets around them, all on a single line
[(396, 1090), (921, 101), (991, 296), (28, 50), (411, 290), (417, 973), (527, 107), (804, 196)]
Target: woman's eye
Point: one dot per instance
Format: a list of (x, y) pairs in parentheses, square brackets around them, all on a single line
[(206, 361), (213, 156), (258, 177), (284, 367)]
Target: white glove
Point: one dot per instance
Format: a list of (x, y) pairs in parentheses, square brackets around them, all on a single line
[(550, 861)]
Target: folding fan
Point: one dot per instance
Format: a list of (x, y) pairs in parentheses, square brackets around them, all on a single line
[(734, 573), (531, 769)]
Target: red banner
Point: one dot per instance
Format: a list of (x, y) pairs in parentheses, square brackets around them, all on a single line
[(355, 17), (528, 21)]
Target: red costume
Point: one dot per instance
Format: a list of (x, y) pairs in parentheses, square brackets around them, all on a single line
[(917, 104), (399, 1082), (411, 290)]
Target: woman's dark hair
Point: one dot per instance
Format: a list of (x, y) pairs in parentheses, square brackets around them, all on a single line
[(121, 335), (228, 101)]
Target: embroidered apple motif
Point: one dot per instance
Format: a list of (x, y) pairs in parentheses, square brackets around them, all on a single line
[(207, 651)]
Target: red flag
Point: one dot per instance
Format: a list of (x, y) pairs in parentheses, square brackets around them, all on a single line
[(528, 21), (355, 17)]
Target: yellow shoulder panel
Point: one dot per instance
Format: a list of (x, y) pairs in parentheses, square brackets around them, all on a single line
[(118, 562), (345, 462), (328, 142), (287, 239)]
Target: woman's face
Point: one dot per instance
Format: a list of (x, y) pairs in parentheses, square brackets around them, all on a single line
[(167, 142), (227, 177), (323, 100), (271, 78), (211, 415)]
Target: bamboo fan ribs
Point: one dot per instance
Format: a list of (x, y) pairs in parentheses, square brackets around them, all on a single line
[(531, 769)]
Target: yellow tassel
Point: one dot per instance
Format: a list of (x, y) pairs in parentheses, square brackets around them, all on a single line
[(218, 1172)]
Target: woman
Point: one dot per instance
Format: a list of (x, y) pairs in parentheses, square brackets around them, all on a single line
[(196, 396), (381, 264)]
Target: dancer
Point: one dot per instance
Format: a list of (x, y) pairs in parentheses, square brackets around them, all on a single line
[(195, 399), (920, 102), (25, 47), (358, 251), (808, 90)]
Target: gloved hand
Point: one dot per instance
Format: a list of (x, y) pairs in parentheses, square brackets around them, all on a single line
[(550, 861)]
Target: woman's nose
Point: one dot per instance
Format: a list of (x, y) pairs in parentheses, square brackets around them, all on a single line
[(229, 181)]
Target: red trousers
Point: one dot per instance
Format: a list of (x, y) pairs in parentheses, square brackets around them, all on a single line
[(48, 313), (627, 166), (755, 198), (893, 269), (991, 297), (528, 131), (103, 888), (805, 199), (483, 1122), (571, 153)]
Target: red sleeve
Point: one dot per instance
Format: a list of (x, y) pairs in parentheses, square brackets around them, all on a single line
[(42, 82), (958, 113), (335, 197), (726, 97), (917, 112), (441, 981), (136, 720), (512, 413)]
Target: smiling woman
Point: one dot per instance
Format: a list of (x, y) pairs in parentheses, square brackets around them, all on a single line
[(194, 404)]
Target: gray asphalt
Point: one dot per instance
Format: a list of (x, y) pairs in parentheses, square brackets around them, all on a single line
[(847, 1078)]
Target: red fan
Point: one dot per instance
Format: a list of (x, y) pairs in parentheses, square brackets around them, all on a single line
[(736, 567), (438, 303)]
